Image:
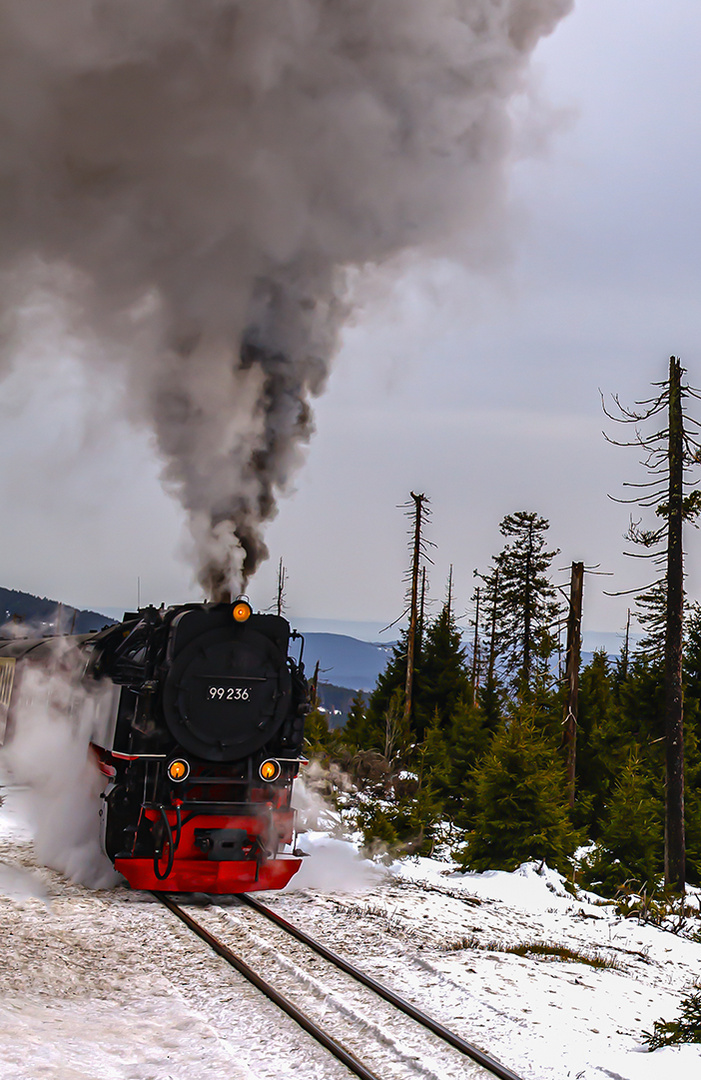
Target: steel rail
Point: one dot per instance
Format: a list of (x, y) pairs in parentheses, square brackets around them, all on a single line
[(465, 1047), (327, 1041)]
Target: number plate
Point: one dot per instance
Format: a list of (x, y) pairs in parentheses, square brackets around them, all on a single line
[(219, 692)]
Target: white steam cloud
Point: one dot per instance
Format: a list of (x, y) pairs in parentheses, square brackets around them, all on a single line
[(189, 183), (49, 751), (333, 863)]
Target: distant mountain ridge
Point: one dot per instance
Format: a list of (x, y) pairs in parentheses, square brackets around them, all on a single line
[(44, 616), (345, 661)]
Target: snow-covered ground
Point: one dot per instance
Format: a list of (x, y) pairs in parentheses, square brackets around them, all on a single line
[(104, 984)]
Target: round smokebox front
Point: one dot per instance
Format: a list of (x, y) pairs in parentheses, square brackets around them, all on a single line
[(227, 693)]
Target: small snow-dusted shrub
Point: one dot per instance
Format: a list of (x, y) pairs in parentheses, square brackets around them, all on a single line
[(685, 1029), (393, 923), (562, 952), (394, 812), (658, 908), (536, 949), (465, 942), (403, 821)]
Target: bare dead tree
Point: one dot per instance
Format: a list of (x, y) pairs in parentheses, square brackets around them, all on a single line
[(668, 453), (418, 512), (422, 610), (281, 580), (572, 660), (625, 653), (476, 645)]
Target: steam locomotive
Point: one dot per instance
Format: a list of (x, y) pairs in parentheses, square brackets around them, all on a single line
[(196, 717)]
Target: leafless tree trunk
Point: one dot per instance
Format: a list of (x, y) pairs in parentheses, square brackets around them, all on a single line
[(413, 607), (675, 845), (476, 646), (573, 656)]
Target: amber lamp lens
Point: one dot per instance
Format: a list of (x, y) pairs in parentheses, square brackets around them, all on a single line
[(178, 770), (269, 770), (242, 611)]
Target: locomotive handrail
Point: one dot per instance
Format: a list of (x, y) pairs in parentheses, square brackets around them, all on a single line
[(135, 757), (296, 636), (211, 807), (158, 851)]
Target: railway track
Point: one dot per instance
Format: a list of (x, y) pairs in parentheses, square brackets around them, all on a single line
[(373, 1042)]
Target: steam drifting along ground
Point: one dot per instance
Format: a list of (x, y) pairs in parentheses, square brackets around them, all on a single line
[(100, 983), (188, 190)]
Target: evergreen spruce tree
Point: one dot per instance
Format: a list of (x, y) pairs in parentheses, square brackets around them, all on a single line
[(397, 731), (596, 725), (520, 801), (490, 700), (403, 821), (620, 722), (389, 690), (356, 732), (469, 739), (321, 742), (630, 854), (692, 654), (441, 681), (692, 800), (526, 605), (685, 1029), (445, 681), (435, 768), (639, 722), (651, 616), (490, 696)]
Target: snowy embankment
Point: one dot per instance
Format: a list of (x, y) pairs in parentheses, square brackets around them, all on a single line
[(99, 983)]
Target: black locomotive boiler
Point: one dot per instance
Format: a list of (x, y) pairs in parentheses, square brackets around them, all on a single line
[(197, 721)]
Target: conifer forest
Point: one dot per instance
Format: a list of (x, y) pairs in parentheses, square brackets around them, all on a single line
[(496, 745)]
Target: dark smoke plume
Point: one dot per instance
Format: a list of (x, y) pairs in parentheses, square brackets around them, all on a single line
[(189, 182)]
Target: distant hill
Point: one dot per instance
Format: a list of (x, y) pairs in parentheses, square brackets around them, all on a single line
[(335, 701), (43, 616), (345, 661)]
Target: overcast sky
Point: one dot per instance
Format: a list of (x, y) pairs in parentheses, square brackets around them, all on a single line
[(481, 392)]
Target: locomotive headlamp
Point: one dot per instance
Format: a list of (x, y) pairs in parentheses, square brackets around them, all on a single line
[(269, 770), (178, 770), (242, 610)]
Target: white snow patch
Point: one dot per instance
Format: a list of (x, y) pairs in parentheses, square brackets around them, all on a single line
[(530, 888), (19, 884), (334, 866), (439, 937), (677, 1062)]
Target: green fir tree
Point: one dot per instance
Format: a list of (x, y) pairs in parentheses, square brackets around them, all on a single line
[(520, 802), (597, 723), (387, 696), (356, 731), (630, 852), (469, 739), (526, 608), (445, 681)]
